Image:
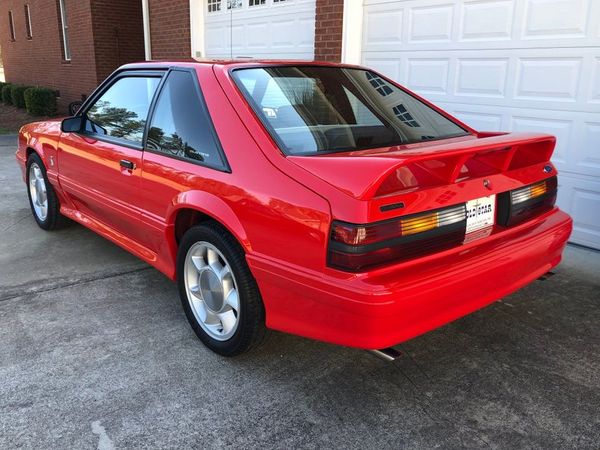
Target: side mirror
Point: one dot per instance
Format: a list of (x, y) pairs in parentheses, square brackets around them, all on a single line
[(74, 107), (72, 125)]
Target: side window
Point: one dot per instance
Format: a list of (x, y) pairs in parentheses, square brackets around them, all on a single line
[(122, 110), (181, 125)]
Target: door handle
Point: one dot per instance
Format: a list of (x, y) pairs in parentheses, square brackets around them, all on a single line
[(127, 164)]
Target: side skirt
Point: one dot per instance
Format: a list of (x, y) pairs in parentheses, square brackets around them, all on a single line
[(120, 239)]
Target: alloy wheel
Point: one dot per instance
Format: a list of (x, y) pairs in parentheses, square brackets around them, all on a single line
[(38, 192), (212, 291)]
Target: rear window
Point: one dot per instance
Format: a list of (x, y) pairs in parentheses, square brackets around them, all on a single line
[(312, 109)]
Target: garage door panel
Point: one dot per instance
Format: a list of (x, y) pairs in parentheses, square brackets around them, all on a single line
[(486, 20), (282, 30), (587, 151), (383, 26), (548, 78), (551, 18), (525, 78), (594, 96), (428, 76), (580, 197), (480, 121), (480, 24), (481, 77), (431, 23), (390, 67)]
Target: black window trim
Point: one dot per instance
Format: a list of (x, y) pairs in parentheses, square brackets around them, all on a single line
[(285, 150), (105, 86), (225, 167)]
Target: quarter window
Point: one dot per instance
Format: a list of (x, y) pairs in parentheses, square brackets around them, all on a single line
[(121, 112), (181, 125)]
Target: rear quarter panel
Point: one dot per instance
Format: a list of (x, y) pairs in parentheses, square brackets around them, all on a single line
[(269, 213)]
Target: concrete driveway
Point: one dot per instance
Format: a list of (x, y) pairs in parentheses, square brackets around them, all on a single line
[(95, 352)]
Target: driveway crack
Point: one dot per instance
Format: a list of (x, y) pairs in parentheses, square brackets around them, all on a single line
[(20, 291)]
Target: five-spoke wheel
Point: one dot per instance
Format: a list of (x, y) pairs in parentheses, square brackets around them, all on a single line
[(42, 198), (37, 191), (212, 290), (218, 292)]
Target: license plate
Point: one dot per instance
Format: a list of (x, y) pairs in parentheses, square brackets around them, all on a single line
[(480, 213)]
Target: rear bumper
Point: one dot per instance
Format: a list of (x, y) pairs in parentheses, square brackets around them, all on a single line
[(387, 306)]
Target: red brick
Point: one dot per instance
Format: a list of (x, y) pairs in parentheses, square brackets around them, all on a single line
[(103, 34), (328, 35)]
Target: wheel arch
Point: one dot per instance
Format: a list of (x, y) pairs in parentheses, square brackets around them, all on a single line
[(193, 207)]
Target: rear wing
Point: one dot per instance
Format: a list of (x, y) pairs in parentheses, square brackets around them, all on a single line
[(405, 170)]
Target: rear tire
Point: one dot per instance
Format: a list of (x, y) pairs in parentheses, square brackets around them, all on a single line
[(43, 200), (219, 295)]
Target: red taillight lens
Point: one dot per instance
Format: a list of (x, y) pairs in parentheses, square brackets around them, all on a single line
[(355, 247), (520, 205)]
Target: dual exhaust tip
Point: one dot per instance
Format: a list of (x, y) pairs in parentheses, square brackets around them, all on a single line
[(386, 354)]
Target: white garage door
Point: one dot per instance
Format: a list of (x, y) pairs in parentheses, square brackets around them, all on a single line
[(505, 65), (274, 29)]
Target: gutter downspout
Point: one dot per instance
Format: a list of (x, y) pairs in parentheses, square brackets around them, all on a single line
[(147, 42)]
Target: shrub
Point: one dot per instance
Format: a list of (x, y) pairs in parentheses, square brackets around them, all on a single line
[(7, 94), (40, 101), (17, 95)]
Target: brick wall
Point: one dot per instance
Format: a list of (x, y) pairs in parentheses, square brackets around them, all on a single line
[(328, 30), (39, 61), (103, 34), (170, 29), (118, 34)]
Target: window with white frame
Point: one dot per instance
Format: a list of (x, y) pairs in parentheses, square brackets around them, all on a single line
[(256, 2), (214, 5), (28, 22), (11, 26), (65, 30), (234, 4)]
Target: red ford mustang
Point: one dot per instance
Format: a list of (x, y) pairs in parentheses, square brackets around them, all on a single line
[(318, 199)]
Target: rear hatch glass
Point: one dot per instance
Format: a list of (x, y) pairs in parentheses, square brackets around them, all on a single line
[(315, 109)]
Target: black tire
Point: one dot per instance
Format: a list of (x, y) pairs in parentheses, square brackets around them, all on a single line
[(54, 219), (251, 330)]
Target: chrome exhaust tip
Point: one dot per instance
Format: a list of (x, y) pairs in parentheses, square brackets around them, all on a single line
[(386, 354)]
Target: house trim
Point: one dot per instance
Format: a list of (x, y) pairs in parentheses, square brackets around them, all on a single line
[(147, 39)]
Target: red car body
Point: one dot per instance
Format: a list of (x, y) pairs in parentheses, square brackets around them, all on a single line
[(281, 209)]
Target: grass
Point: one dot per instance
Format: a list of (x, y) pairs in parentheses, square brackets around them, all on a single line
[(7, 131)]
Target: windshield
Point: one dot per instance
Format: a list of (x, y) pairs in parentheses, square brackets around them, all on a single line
[(312, 109)]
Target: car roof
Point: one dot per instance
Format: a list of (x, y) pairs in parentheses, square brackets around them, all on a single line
[(245, 62)]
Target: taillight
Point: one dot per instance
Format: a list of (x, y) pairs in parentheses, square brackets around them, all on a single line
[(355, 247), (521, 204)]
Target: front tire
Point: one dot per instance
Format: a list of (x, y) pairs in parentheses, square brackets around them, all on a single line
[(44, 203), (218, 292)]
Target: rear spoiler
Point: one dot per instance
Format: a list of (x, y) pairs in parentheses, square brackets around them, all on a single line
[(371, 175)]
